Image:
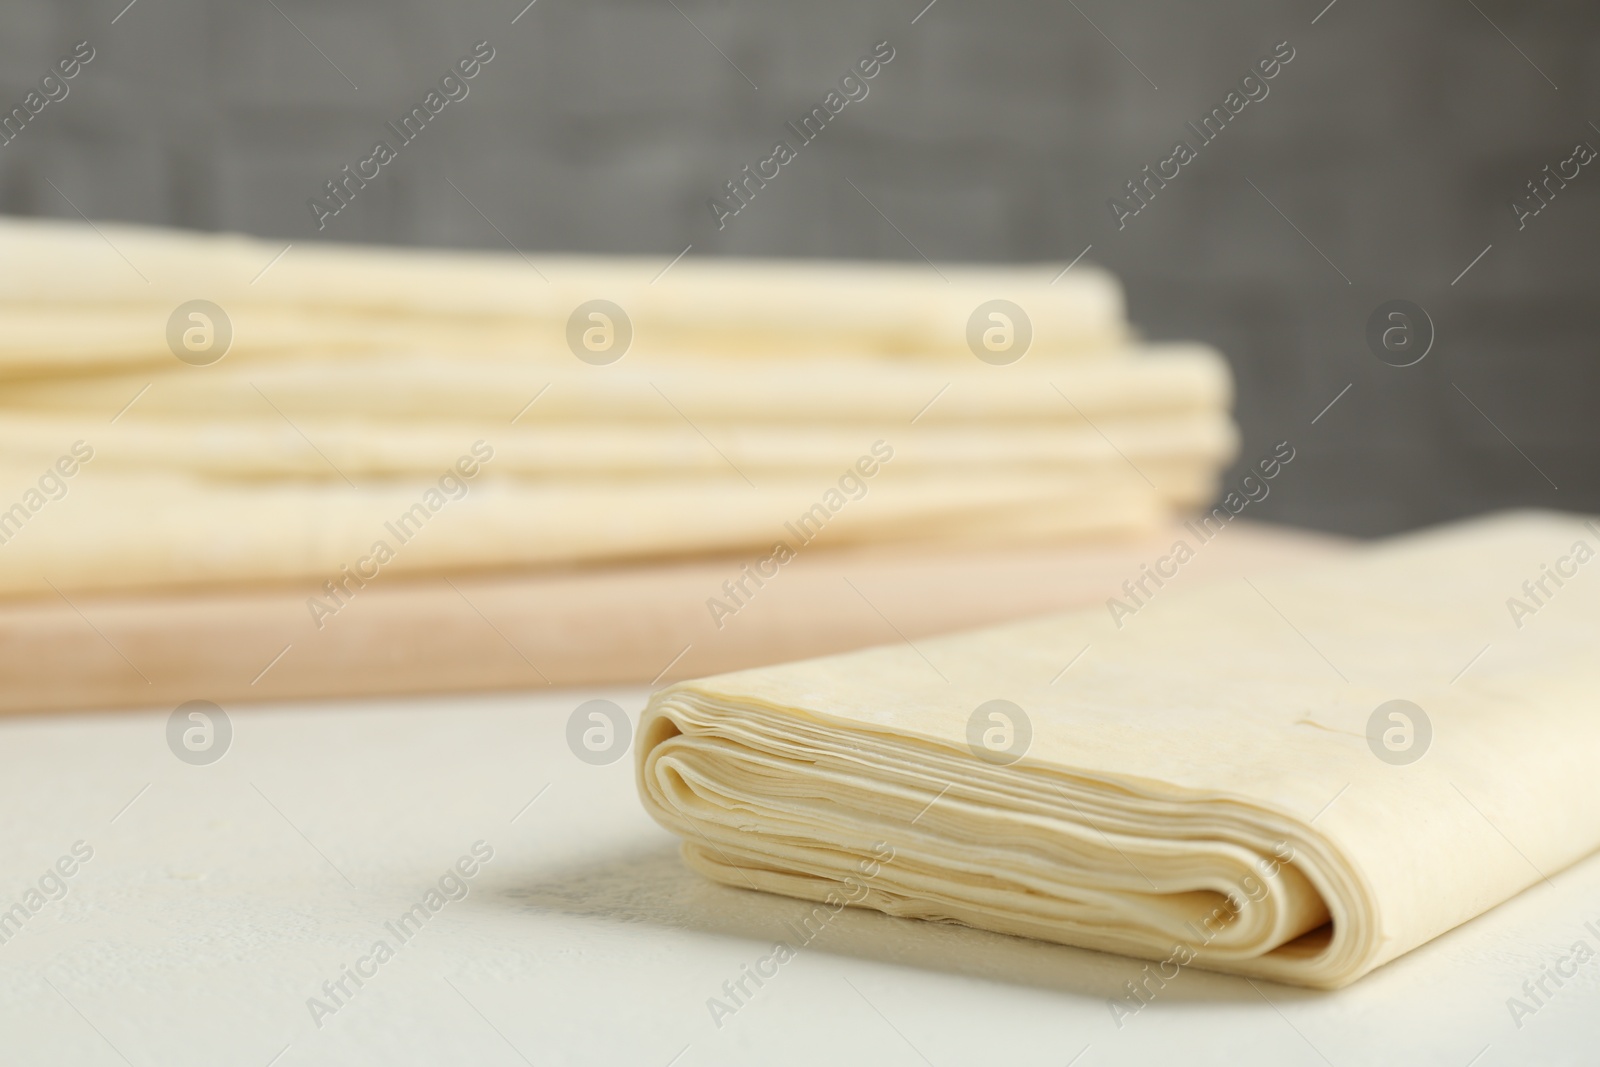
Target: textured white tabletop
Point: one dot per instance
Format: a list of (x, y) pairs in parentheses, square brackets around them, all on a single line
[(220, 898)]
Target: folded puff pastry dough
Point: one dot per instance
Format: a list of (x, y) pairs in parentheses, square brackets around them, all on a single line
[(1200, 783), (741, 306)]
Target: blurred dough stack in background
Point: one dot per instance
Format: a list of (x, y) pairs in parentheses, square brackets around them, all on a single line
[(188, 410)]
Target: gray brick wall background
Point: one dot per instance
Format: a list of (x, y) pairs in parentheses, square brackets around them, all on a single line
[(1394, 141)]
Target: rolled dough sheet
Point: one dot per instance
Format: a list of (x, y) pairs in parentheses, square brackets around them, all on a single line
[(901, 307), (1155, 379), (112, 339), (142, 532), (1181, 451), (1217, 777)]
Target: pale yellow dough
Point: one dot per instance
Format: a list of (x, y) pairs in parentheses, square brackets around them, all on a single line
[(356, 376), (1217, 731), (1168, 378), (1179, 454), (128, 532), (794, 305)]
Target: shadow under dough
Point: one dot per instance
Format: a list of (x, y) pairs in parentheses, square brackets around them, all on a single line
[(650, 884)]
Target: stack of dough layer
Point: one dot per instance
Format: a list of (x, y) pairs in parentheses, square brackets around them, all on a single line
[(750, 392), (1218, 778)]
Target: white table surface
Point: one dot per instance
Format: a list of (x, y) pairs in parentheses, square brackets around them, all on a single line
[(223, 896)]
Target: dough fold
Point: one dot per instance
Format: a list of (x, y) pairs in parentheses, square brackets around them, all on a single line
[(335, 295), (131, 532), (1212, 779)]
